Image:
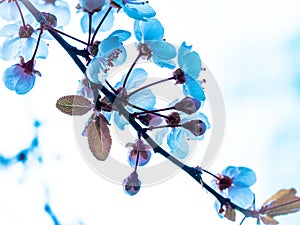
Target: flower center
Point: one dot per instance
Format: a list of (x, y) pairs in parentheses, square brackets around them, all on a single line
[(224, 182)]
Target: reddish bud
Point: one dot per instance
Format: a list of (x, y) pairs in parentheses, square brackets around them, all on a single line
[(132, 184), (196, 127), (179, 76), (188, 105), (150, 119), (25, 31)]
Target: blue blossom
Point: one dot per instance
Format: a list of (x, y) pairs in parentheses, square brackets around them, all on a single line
[(139, 10), (144, 99), (111, 53), (189, 70), (234, 183), (177, 136), (20, 77), (91, 5), (97, 17), (21, 40), (150, 34), (59, 8), (9, 10)]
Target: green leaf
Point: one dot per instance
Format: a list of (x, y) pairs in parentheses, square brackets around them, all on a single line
[(74, 105), (99, 138), (282, 203)]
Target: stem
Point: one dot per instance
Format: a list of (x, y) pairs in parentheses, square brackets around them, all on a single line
[(36, 13), (131, 68), (145, 110), (67, 35), (216, 177), (90, 27), (163, 126), (100, 24), (153, 111), (21, 14), (37, 44), (111, 87), (149, 85)]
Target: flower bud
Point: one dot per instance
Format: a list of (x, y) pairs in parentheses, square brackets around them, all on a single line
[(132, 184), (196, 127), (51, 19), (179, 76), (92, 5), (188, 105), (150, 119), (139, 147), (173, 119)]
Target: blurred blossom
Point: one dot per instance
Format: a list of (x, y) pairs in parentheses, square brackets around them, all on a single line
[(139, 10), (150, 34), (59, 8), (9, 11), (188, 105), (21, 40)]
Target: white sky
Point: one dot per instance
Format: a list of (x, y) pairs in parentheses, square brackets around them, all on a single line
[(252, 48)]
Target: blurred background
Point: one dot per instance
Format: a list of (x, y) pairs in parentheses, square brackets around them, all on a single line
[(252, 49)]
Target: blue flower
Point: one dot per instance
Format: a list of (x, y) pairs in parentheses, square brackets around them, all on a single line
[(9, 10), (177, 136), (111, 53), (20, 77), (59, 8), (97, 17), (150, 35), (139, 10), (144, 99), (189, 69), (21, 40), (234, 183), (92, 5)]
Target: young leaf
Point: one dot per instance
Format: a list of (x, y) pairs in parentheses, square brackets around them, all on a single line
[(230, 214), (74, 105), (99, 138), (282, 203)]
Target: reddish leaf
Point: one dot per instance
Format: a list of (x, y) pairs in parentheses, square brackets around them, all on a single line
[(75, 105), (282, 203), (99, 138)]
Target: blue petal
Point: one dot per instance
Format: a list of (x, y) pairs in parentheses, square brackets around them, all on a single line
[(137, 77), (10, 30), (42, 50), (245, 178), (164, 63), (137, 30), (144, 99), (162, 50), (183, 49), (9, 11), (192, 64), (152, 29), (123, 35), (120, 121), (25, 84), (243, 197), (93, 71), (139, 11), (11, 48), (160, 134), (178, 143), (192, 88)]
